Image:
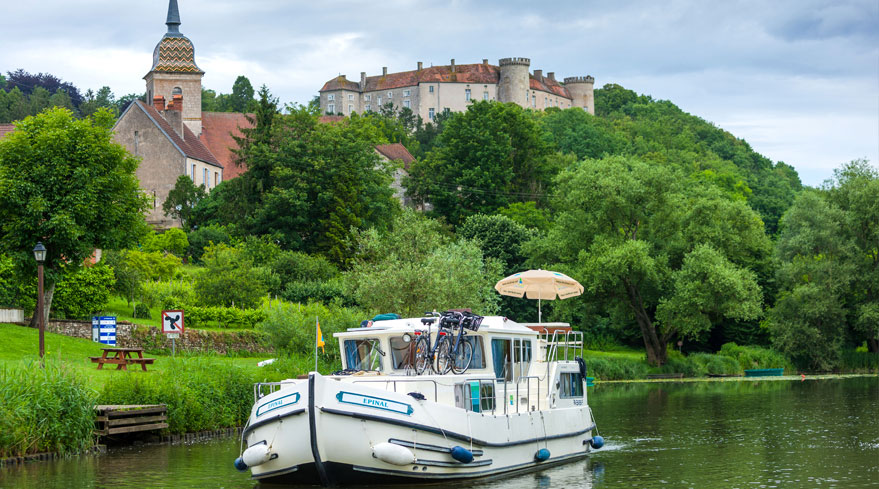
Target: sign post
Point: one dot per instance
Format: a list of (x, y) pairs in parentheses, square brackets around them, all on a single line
[(104, 330), (172, 325)]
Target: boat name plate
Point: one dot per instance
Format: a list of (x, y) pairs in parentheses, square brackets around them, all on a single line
[(374, 402), (288, 400)]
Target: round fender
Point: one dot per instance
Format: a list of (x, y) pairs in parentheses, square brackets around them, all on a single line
[(597, 442), (461, 454), (542, 455), (256, 455)]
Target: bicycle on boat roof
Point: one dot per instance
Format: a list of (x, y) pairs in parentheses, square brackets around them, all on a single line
[(451, 351)]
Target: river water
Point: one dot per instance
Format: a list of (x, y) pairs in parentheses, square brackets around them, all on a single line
[(734, 434)]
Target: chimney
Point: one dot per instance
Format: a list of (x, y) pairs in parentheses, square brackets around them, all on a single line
[(174, 114), (551, 75), (485, 61), (420, 65), (384, 71), (453, 65), (159, 103), (363, 80), (538, 74)]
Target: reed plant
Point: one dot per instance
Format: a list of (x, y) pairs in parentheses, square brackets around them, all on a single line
[(44, 409), (754, 357)]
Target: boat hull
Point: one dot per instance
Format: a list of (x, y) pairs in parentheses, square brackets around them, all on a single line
[(329, 436)]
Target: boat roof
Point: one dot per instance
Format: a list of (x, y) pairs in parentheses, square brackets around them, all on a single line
[(490, 324)]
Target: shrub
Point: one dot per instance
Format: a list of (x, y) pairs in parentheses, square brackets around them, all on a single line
[(616, 368), (142, 311), (715, 364), (228, 279), (750, 357), (206, 236), (294, 266), (153, 265), (204, 393), (173, 294), (44, 409), (290, 328), (313, 291), (8, 285), (224, 317), (859, 361), (84, 292)]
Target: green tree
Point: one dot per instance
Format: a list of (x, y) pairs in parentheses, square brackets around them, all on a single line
[(815, 271), (84, 292), (577, 132), (486, 158), (229, 279), (241, 99), (416, 267), (182, 200), (639, 237), (854, 189), (64, 182)]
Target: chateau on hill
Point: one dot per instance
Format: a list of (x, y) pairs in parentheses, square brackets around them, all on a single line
[(430, 91)]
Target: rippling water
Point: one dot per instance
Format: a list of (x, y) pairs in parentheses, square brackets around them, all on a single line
[(748, 434)]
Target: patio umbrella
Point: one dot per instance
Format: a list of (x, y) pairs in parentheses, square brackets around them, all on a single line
[(541, 285)]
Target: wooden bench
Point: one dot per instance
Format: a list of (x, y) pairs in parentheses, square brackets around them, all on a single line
[(122, 358)]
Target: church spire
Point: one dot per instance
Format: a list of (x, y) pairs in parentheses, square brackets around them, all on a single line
[(173, 21)]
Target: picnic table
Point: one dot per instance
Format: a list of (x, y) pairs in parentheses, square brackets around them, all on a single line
[(122, 358)]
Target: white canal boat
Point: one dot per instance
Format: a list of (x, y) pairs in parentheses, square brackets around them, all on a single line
[(521, 405)]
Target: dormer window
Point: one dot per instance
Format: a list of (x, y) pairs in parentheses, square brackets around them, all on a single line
[(331, 96)]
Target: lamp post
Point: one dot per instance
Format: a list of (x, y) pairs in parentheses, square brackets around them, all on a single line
[(40, 256)]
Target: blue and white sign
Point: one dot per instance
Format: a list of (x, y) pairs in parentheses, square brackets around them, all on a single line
[(374, 402), (288, 400), (104, 330)]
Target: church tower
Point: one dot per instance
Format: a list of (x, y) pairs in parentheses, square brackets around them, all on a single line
[(174, 71)]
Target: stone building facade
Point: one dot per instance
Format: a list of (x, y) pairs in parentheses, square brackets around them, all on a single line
[(430, 91)]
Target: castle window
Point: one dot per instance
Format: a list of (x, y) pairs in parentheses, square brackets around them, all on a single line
[(406, 104), (545, 101), (331, 108), (406, 93), (484, 95), (431, 112), (368, 98), (467, 94), (331, 96), (192, 174), (350, 97), (379, 102), (216, 178), (204, 177), (534, 100), (368, 107), (430, 89), (390, 94), (350, 108), (177, 91)]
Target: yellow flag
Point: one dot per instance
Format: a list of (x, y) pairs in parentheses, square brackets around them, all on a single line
[(320, 337)]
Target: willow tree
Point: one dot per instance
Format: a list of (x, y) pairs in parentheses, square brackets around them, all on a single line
[(656, 249), (65, 183)]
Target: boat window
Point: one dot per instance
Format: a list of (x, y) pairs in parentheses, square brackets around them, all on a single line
[(402, 353), (363, 354), (501, 359), (521, 357), (478, 360), (475, 396), (570, 385)]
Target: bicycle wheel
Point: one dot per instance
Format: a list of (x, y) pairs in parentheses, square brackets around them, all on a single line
[(462, 357), (422, 355), (443, 357)]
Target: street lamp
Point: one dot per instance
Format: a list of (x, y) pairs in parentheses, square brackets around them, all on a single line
[(40, 256)]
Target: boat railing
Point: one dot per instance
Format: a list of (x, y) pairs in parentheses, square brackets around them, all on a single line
[(570, 342), (493, 384), (262, 389), (408, 380), (528, 380)]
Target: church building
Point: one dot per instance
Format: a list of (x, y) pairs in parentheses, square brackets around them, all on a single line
[(170, 134)]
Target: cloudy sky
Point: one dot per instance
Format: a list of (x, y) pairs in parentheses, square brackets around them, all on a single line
[(797, 79)]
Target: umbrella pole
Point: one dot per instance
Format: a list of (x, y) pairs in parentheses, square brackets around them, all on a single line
[(539, 319)]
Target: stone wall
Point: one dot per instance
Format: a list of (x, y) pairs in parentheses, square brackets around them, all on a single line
[(130, 335)]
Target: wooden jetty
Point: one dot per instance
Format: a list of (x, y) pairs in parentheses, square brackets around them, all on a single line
[(117, 419)]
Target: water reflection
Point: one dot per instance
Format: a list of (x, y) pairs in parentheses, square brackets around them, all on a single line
[(713, 434)]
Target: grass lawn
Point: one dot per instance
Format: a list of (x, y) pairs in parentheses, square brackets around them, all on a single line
[(118, 307), (20, 346)]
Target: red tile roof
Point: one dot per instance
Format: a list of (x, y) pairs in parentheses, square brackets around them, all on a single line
[(189, 144), (396, 151), (341, 83), (217, 131), (547, 85), (473, 73), (6, 129)]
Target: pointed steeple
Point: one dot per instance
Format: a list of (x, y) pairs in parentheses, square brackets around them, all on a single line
[(173, 21)]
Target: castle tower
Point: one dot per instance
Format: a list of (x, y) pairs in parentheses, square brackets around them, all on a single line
[(582, 91), (514, 84), (174, 71)]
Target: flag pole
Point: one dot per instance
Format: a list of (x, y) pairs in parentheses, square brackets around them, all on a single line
[(316, 337)]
